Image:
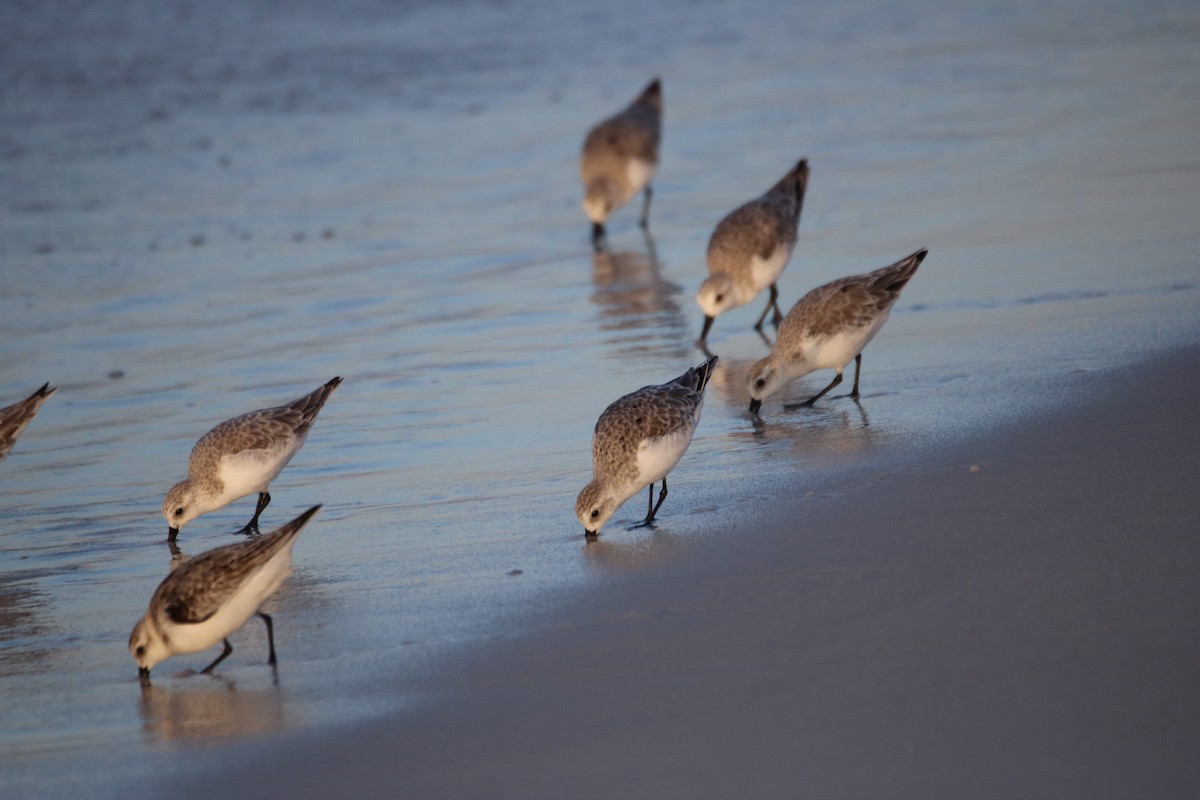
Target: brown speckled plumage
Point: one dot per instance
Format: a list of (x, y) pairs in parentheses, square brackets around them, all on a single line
[(14, 418), (201, 585), (635, 132), (619, 158), (851, 302), (242, 456), (207, 598), (759, 227), (268, 430), (648, 413), (750, 248), (828, 328), (638, 440)]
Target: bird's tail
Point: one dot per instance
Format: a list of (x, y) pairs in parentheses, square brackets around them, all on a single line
[(896, 276), (697, 377), (793, 185), (651, 95), (312, 403)]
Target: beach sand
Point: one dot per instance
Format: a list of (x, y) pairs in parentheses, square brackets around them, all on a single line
[(1013, 617)]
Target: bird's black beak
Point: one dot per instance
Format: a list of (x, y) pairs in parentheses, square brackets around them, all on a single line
[(708, 321), (172, 533), (755, 405), (597, 234), (144, 676)]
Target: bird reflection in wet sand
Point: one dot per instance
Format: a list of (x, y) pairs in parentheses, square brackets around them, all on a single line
[(25, 648), (633, 554), (14, 418), (633, 297), (209, 712), (208, 597), (832, 433), (829, 431), (830, 437)]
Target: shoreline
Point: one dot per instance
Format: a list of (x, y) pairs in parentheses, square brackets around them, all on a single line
[(1009, 616)]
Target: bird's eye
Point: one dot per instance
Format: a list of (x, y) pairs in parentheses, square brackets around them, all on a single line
[(179, 512), (760, 383), (141, 650), (720, 297), (595, 513)]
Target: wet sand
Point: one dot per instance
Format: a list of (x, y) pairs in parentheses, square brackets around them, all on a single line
[(1012, 617)]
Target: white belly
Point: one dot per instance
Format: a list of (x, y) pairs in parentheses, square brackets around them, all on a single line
[(638, 173), (765, 271), (252, 471), (657, 457), (835, 352)]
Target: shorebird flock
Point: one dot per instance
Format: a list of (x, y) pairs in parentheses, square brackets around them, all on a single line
[(637, 441), (643, 435)]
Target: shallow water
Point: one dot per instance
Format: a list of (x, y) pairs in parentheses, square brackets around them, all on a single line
[(209, 209)]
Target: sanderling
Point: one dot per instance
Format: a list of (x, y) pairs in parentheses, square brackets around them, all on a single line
[(208, 597), (619, 158), (749, 249), (242, 456), (14, 418), (637, 441), (828, 327)]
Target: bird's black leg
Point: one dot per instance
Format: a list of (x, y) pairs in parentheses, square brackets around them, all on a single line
[(645, 221), (270, 637), (857, 369), (651, 507), (598, 236), (762, 317), (661, 496), (772, 303), (224, 655), (264, 500), (808, 403)]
